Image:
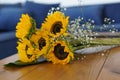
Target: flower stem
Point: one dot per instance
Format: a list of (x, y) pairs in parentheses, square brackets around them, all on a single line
[(97, 42)]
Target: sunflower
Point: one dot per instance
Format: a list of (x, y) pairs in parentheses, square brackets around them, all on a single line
[(60, 53), (56, 24), (26, 52), (41, 42), (25, 27)]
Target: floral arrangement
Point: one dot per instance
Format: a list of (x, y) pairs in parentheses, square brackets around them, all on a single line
[(56, 40)]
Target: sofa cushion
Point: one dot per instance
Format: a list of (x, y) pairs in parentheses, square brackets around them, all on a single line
[(94, 12), (112, 11), (8, 48), (10, 5), (9, 17), (4, 36), (8, 43), (39, 10)]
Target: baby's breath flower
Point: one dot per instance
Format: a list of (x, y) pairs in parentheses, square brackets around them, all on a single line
[(81, 31)]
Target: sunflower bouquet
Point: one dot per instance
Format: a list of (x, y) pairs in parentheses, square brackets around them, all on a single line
[(48, 41), (55, 40)]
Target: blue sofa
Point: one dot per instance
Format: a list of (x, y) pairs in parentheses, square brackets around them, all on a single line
[(10, 14), (97, 13)]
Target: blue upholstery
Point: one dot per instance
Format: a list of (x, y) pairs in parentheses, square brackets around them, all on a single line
[(7, 35), (107, 29), (87, 12), (113, 11), (10, 5), (8, 44), (39, 11), (9, 17)]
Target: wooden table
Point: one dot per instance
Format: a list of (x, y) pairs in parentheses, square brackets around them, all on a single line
[(94, 67)]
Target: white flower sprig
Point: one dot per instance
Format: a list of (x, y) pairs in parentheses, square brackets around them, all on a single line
[(81, 30)]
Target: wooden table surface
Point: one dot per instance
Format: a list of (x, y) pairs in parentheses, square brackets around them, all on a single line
[(101, 66)]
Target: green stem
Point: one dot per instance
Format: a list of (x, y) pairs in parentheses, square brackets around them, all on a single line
[(106, 41), (96, 42)]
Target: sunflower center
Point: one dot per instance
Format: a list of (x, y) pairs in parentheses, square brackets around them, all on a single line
[(59, 52), (28, 55), (56, 27), (41, 43)]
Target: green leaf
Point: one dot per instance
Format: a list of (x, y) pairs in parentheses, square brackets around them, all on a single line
[(19, 63)]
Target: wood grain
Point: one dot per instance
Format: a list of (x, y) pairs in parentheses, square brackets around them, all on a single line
[(111, 69), (13, 73), (101, 66), (87, 69)]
